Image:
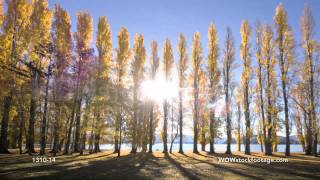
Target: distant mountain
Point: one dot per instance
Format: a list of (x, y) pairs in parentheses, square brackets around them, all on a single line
[(253, 140), (188, 139)]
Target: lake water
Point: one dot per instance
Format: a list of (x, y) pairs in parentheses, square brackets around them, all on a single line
[(218, 147)]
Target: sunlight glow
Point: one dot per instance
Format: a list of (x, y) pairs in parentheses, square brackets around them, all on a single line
[(159, 89)]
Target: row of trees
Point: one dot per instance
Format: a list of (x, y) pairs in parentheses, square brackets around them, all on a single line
[(55, 89)]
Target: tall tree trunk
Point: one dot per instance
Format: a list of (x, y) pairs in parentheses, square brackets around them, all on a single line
[(145, 133), (173, 139), (229, 138), (4, 124), (120, 129), (61, 144), (7, 102), (135, 121), (203, 141), (247, 117), (91, 139), (180, 123), (21, 126), (212, 119), (239, 127), (97, 135), (116, 136), (286, 112), (66, 147), (309, 139), (262, 106), (15, 135), (173, 136), (78, 127), (44, 118), (84, 136), (275, 147), (315, 144), (69, 129), (165, 124), (83, 143), (34, 87), (313, 109), (151, 128), (196, 112), (55, 148), (96, 143), (268, 145)]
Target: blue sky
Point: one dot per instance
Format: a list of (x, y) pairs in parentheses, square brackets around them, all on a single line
[(161, 19)]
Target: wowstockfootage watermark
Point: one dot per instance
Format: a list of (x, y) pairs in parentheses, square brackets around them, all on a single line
[(252, 160)]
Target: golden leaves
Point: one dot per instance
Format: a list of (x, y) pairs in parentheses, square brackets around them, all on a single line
[(154, 59), (182, 51), (62, 38), (104, 45), (167, 58), (84, 30), (245, 32), (39, 30), (229, 52), (1, 12), (280, 19), (123, 53), (16, 27), (213, 54), (196, 54), (139, 59)]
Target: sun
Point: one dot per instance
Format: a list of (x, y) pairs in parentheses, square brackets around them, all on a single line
[(159, 89)]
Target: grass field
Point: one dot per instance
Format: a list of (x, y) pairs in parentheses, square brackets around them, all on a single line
[(106, 165)]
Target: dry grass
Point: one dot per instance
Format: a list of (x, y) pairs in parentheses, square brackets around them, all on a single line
[(106, 165)]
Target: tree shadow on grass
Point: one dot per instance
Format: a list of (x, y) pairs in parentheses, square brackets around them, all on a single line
[(183, 170), (147, 166), (225, 168), (291, 168), (65, 159), (124, 167), (261, 169)]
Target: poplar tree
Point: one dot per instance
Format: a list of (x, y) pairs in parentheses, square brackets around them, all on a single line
[(39, 59), (102, 77), (239, 99), (14, 42), (203, 111), (139, 58), (284, 55), (214, 81), (245, 55), (167, 68), (121, 65), (83, 38), (267, 53), (62, 44), (154, 66), (182, 67), (274, 112), (309, 44), (196, 57), (260, 81), (227, 66)]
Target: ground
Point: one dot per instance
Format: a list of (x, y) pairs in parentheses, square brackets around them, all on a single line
[(105, 165)]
